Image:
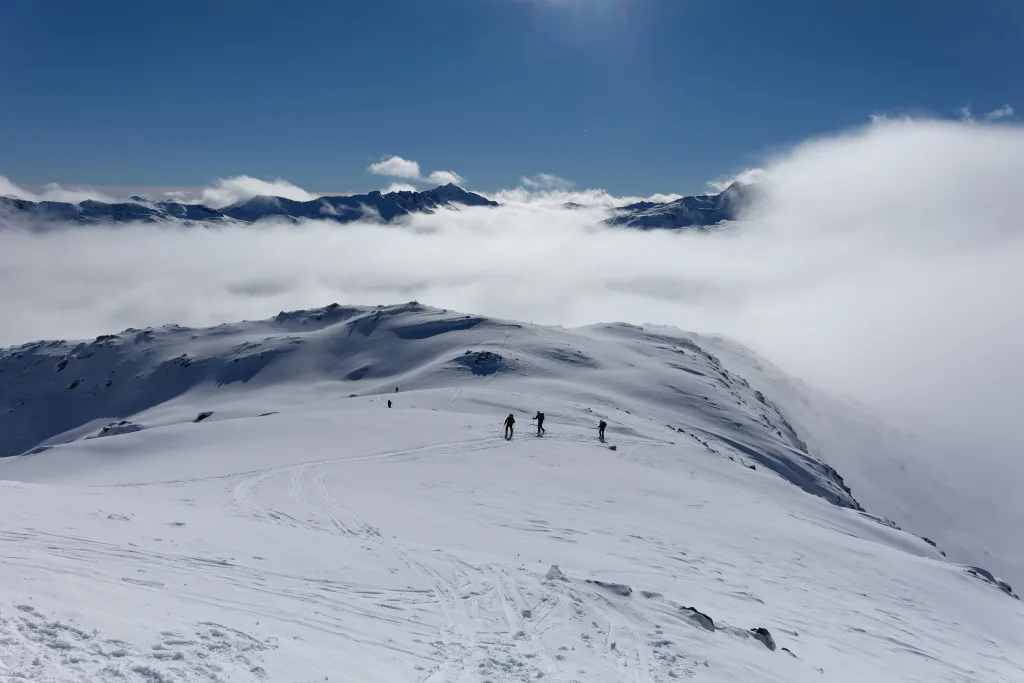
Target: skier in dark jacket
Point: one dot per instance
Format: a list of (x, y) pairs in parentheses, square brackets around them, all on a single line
[(509, 421), (600, 429), (389, 403), (540, 423)]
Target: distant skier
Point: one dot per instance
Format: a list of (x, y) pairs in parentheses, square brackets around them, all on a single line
[(389, 403), (600, 429), (396, 390), (540, 423), (509, 421)]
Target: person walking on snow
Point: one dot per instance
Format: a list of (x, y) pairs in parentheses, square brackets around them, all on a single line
[(600, 429), (389, 403), (509, 421), (540, 423)]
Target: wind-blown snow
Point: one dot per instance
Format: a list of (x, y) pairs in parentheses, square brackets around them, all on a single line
[(255, 511)]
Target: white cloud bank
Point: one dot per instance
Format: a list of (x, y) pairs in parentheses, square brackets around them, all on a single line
[(546, 181), (51, 193), (397, 167), (444, 178), (1003, 112), (399, 187), (224, 192), (885, 263), (545, 189), (751, 175), (229, 191)]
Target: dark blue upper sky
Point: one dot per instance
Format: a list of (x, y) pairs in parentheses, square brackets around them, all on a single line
[(636, 96)]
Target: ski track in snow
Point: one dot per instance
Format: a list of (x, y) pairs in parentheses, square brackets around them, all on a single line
[(509, 652), (35, 647), (482, 635), (464, 620), (513, 649)]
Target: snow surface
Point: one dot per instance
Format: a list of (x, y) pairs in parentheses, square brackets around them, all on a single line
[(303, 531)]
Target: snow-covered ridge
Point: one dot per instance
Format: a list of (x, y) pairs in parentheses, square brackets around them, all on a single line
[(328, 491), (373, 206), (52, 388)]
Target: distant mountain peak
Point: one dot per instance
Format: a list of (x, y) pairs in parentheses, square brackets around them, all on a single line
[(698, 211)]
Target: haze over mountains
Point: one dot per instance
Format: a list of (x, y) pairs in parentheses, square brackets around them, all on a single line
[(343, 209), (697, 211)]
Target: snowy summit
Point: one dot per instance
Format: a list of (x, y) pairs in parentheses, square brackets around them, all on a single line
[(328, 495)]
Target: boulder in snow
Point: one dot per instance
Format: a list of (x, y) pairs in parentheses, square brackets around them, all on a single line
[(762, 634), (122, 427), (988, 577), (617, 588), (698, 618), (555, 574)]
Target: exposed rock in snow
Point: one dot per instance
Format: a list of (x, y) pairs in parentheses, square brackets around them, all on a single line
[(698, 617), (482, 362), (987, 577), (616, 588), (763, 635), (122, 427), (555, 574)]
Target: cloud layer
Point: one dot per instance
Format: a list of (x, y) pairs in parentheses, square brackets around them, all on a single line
[(51, 193), (885, 263), (546, 181), (229, 191), (224, 192), (396, 167)]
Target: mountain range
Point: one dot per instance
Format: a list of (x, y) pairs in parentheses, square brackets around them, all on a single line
[(688, 212), (342, 208)]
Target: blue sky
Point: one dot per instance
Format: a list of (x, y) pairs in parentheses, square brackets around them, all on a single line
[(634, 96)]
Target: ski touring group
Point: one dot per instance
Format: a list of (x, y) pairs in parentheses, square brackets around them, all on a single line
[(510, 422)]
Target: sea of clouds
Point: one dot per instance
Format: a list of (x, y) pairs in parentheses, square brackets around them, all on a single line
[(885, 263)]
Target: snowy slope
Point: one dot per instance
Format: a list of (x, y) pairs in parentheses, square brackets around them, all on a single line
[(893, 471), (303, 531)]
